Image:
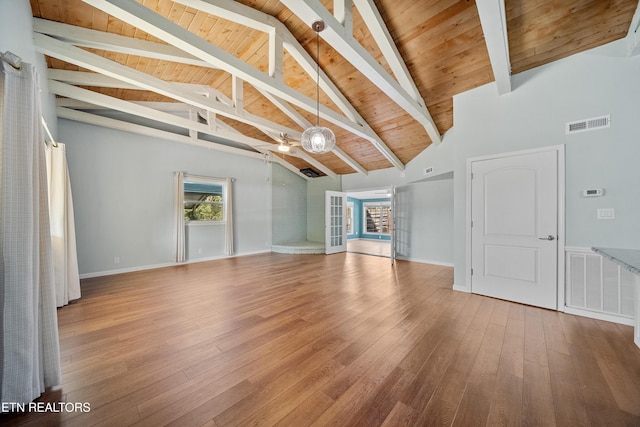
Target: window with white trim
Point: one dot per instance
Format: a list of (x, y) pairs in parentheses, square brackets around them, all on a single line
[(204, 200), (377, 217), (350, 222)]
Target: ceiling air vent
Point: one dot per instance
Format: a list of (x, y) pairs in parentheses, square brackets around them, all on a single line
[(589, 124), (310, 172)]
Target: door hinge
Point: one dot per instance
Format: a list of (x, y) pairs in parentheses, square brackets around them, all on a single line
[(472, 271), (471, 223)]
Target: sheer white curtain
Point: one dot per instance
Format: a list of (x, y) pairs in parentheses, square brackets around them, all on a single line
[(178, 208), (228, 216), (29, 353), (63, 231)]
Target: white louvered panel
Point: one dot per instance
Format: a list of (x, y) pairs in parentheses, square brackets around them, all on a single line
[(610, 288), (627, 304), (575, 280), (596, 284), (593, 282)]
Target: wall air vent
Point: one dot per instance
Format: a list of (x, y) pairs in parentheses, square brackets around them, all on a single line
[(588, 124)]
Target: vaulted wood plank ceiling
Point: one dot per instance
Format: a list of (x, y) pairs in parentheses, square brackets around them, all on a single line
[(441, 42)]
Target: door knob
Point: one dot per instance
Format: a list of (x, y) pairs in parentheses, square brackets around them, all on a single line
[(549, 237)]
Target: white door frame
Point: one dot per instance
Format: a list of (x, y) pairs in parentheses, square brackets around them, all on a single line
[(329, 247), (561, 228)]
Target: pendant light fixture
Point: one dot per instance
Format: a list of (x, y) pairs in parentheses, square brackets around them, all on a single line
[(318, 139)]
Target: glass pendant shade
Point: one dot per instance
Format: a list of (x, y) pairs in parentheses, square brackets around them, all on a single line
[(318, 139)]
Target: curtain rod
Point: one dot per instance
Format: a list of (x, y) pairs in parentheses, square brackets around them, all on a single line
[(204, 178), (12, 59), (46, 128), (16, 62)]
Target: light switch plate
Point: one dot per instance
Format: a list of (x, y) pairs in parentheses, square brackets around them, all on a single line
[(606, 213)]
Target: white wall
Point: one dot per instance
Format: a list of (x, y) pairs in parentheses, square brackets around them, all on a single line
[(424, 203), (16, 29), (424, 220), (594, 83), (316, 188), (123, 198), (289, 206)]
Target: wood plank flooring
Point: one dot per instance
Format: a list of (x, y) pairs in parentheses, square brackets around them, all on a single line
[(344, 339), (370, 247)]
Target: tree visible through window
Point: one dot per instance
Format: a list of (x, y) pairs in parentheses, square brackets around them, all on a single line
[(203, 201)]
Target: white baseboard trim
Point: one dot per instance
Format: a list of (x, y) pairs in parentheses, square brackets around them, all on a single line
[(599, 316), (460, 288), (168, 264), (425, 261)]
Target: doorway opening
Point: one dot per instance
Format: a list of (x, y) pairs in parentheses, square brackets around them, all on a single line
[(369, 221)]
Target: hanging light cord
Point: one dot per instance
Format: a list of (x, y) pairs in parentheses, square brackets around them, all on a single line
[(317, 78)]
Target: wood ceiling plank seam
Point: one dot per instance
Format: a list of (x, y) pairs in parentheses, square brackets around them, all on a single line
[(616, 27), (99, 20), (185, 40), (378, 29), (441, 28), (114, 25), (415, 19), (198, 21), (578, 41), (175, 12)]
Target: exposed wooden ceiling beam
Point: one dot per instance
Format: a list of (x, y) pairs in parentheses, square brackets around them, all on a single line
[(220, 130), (93, 119), (241, 14), (84, 37), (633, 36), (147, 20), (335, 34), (82, 58), (494, 26), (109, 102)]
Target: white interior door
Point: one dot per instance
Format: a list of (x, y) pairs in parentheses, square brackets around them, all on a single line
[(335, 222), (514, 231)]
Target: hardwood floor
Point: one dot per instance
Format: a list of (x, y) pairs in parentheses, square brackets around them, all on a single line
[(345, 339), (370, 247)]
